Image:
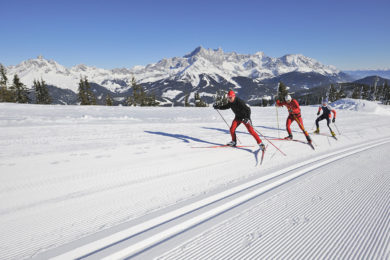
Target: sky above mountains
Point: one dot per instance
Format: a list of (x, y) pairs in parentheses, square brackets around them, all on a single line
[(111, 34)]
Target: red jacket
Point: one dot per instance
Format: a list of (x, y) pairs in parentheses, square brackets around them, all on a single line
[(293, 108)]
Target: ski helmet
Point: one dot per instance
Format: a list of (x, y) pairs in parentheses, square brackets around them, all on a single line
[(287, 98), (231, 93), (325, 101)]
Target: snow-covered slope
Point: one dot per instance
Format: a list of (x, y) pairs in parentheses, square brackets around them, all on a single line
[(361, 106), (67, 78), (358, 74), (77, 174), (214, 63)]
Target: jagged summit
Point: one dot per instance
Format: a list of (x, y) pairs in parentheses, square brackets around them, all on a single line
[(200, 51), (201, 68)]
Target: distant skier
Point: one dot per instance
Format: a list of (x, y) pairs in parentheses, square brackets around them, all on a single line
[(294, 115), (242, 115), (327, 111)]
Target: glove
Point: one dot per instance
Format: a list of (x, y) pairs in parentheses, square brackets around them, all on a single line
[(334, 120), (318, 113), (215, 106), (246, 120)]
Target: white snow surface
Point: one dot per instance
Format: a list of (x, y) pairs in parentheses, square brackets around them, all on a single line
[(361, 106), (68, 173)]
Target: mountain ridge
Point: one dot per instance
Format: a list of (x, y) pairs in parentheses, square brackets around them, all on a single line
[(202, 70)]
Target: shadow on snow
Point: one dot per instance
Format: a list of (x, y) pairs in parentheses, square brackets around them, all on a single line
[(187, 139)]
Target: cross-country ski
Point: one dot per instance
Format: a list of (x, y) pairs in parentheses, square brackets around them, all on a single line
[(223, 146)]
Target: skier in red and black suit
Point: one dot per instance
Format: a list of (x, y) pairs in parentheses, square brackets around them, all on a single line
[(326, 114), (242, 115), (294, 115)]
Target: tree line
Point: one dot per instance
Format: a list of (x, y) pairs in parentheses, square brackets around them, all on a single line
[(335, 92)]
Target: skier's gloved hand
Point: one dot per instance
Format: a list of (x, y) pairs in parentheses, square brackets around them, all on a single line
[(318, 113), (215, 106), (334, 120)]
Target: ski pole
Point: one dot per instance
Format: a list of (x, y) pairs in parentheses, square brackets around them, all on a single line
[(270, 142), (227, 124), (276, 107), (337, 128), (277, 118)]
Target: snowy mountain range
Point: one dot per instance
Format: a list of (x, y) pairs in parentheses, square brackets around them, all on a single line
[(202, 70), (359, 74)]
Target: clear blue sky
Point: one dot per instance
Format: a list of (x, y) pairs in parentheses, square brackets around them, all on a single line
[(113, 33)]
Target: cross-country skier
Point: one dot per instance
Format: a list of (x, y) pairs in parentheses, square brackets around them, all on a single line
[(327, 111), (294, 115), (242, 115)]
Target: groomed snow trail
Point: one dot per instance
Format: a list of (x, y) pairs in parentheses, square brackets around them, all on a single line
[(338, 211), (73, 175), (190, 210)]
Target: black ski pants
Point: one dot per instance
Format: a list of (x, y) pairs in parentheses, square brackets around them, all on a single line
[(322, 117)]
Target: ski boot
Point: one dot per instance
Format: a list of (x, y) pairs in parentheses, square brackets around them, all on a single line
[(262, 146), (317, 131), (232, 144), (289, 137), (308, 139), (333, 134)]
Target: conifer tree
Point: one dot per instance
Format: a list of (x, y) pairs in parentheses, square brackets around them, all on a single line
[(282, 93), (340, 94), (109, 100), (220, 97), (152, 100), (198, 101), (82, 95), (3, 76), (140, 97), (356, 92), (332, 93), (386, 93), (366, 92), (41, 92), (5, 94), (85, 94), (379, 93), (136, 98), (21, 93), (90, 96), (264, 102)]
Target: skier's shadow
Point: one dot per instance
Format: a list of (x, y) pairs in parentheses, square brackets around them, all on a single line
[(184, 138), (187, 139), (227, 131), (255, 153), (274, 128), (223, 130)]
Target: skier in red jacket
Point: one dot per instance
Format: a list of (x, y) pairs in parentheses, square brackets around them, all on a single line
[(294, 115), (242, 115)]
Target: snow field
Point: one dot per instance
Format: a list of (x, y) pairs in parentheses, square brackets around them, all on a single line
[(340, 210), (68, 172)]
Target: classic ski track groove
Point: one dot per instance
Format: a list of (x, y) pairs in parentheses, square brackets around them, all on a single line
[(133, 231), (132, 250), (331, 248)]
